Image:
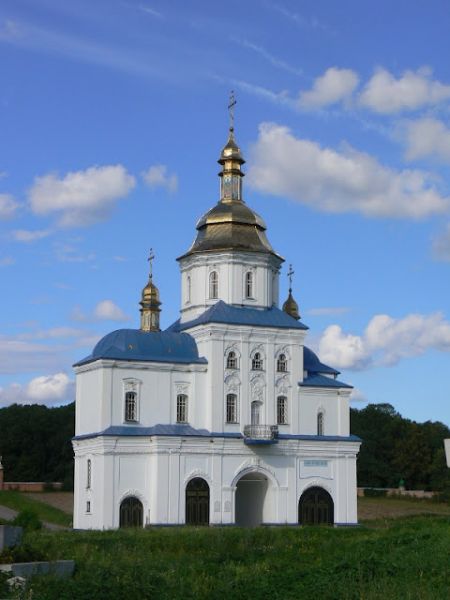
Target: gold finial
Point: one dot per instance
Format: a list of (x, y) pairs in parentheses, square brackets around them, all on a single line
[(290, 306), (231, 105), (150, 301)]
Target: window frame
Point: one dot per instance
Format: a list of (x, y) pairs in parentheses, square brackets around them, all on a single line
[(232, 360), (182, 408), (257, 362), (320, 423), (89, 474), (213, 285), (131, 407), (249, 285), (282, 363), (282, 410), (231, 408)]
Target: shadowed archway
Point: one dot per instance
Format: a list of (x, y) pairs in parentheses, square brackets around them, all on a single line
[(197, 502), (131, 512), (316, 507)]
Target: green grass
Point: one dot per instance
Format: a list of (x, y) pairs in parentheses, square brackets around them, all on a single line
[(393, 559), (19, 501)]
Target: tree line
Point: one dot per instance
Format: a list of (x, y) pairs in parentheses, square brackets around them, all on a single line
[(35, 442)]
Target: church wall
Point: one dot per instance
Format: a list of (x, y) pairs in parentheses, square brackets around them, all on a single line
[(333, 404), (90, 397), (157, 470), (231, 269)]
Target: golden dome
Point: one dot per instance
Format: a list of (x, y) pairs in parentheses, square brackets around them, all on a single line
[(291, 307), (150, 293), (231, 224)]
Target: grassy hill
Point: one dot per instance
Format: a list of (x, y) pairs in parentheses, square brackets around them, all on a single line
[(390, 559)]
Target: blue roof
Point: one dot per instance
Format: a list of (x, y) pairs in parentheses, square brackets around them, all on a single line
[(153, 346), (312, 364), (188, 431), (161, 430), (221, 312), (323, 381)]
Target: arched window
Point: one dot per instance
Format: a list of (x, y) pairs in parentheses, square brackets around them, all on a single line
[(88, 474), (213, 285), (249, 284), (257, 362), (282, 363), (320, 423), (232, 362), (131, 406), (182, 408), (232, 408), (188, 289), (282, 413)]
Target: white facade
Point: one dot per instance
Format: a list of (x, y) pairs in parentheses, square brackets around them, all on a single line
[(223, 418)]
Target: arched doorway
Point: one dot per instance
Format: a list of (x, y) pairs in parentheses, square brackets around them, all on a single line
[(131, 512), (197, 502), (316, 507), (250, 497)]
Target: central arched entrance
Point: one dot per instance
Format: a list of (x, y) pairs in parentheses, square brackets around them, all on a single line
[(131, 512), (250, 498), (197, 502), (316, 507)]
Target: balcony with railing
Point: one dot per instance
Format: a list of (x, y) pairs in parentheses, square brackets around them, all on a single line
[(261, 434)]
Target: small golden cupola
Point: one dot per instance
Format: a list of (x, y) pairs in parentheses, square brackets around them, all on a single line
[(150, 302), (290, 306)]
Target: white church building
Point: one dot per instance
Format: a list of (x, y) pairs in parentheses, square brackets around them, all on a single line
[(224, 418)]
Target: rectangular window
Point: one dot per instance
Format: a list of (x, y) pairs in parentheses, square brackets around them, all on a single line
[(282, 410), (88, 506), (131, 406), (182, 408), (88, 474), (232, 408)]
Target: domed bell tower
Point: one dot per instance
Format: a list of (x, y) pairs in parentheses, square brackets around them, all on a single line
[(231, 258), (150, 302)]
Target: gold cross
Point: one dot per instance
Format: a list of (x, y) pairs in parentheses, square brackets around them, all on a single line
[(289, 274), (150, 258), (231, 105)]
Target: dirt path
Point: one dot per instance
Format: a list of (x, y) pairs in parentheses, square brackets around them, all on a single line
[(61, 500), (390, 508)]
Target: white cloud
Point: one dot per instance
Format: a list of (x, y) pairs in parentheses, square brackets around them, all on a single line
[(335, 85), (338, 182), (26, 235), (105, 310), (46, 389), (83, 197), (426, 137), (8, 206), (385, 94), (385, 341), (441, 245), (357, 395), (158, 176)]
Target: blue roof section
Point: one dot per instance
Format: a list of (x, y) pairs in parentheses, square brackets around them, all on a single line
[(188, 431), (312, 364), (160, 430), (322, 381), (231, 314), (151, 346), (320, 438)]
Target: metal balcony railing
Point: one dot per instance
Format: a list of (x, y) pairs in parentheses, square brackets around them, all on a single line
[(261, 432)]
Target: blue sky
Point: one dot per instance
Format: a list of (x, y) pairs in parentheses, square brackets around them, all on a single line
[(112, 117)]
